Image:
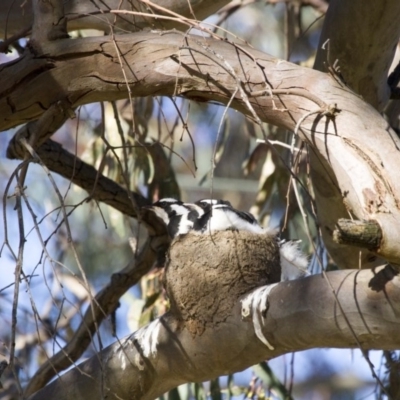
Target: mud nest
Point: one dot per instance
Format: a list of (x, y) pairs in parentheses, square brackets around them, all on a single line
[(207, 274)]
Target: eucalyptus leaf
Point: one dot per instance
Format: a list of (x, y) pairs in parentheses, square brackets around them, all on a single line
[(265, 373), (215, 390)]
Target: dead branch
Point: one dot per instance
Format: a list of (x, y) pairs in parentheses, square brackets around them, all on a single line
[(365, 234)]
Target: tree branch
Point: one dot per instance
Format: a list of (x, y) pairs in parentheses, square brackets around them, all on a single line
[(71, 167), (360, 39), (105, 302), (162, 355), (102, 189), (86, 14), (365, 59), (358, 162), (37, 132), (49, 22), (358, 233), (4, 45)]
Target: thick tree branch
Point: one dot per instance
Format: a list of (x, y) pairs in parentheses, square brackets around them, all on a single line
[(359, 160), (302, 314), (363, 36), (49, 22), (354, 172), (86, 14)]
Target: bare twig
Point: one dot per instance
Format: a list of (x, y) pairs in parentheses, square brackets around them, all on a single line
[(105, 302), (213, 164), (18, 270), (102, 189)]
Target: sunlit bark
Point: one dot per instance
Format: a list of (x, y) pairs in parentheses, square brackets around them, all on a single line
[(363, 157), (302, 314)]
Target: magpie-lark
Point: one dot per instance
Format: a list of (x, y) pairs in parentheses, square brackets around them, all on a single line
[(206, 215), (222, 217), (170, 211), (209, 215)]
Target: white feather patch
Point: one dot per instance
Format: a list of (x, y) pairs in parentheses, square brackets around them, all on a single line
[(293, 262), (255, 305), (161, 213), (179, 209), (224, 218)]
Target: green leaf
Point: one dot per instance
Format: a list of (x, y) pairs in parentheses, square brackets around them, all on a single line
[(265, 373), (173, 395), (199, 392), (215, 390)]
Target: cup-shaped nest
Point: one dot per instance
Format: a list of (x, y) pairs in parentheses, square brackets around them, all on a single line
[(206, 274)]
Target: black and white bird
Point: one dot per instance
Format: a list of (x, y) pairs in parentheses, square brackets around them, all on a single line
[(179, 217), (293, 261), (210, 215), (206, 215), (167, 208), (221, 216), (170, 211), (204, 203), (187, 221)]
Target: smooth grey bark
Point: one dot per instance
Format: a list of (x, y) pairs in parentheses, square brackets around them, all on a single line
[(302, 314)]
